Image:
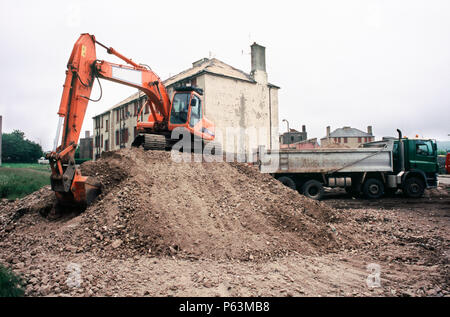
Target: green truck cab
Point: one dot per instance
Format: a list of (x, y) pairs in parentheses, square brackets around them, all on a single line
[(416, 162)]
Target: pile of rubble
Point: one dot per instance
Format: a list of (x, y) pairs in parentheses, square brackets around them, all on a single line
[(153, 205)]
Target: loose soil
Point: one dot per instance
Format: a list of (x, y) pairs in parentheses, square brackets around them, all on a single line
[(162, 228)]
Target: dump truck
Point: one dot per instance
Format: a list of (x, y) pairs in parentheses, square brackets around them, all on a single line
[(373, 170)]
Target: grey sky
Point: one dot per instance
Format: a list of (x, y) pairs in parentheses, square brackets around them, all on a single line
[(356, 63)]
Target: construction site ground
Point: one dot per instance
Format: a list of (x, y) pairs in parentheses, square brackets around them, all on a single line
[(218, 229)]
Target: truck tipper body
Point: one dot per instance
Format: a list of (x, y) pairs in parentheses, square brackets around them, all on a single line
[(375, 169)]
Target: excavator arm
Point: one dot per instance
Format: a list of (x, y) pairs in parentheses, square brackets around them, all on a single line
[(82, 70)]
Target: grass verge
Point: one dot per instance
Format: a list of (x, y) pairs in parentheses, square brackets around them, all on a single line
[(17, 182)]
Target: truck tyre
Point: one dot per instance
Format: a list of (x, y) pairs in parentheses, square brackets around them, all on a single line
[(373, 188), (287, 181), (414, 187), (313, 189)]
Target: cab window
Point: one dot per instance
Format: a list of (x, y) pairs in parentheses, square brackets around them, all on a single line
[(196, 111), (424, 148), (180, 107)]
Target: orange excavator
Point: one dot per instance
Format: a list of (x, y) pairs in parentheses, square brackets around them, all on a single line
[(185, 111)]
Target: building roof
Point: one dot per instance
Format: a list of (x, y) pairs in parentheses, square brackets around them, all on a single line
[(348, 132), (211, 66)]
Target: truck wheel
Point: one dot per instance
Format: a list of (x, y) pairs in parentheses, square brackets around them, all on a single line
[(414, 187), (287, 181), (373, 188), (313, 189)]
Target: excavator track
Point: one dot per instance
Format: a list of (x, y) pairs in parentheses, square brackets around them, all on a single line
[(155, 142)]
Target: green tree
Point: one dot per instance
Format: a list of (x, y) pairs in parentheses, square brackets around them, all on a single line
[(17, 149)]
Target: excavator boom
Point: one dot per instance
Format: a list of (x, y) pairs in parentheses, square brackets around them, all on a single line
[(82, 70)]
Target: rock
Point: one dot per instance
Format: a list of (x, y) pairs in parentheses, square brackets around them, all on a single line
[(33, 281), (20, 265), (431, 292), (35, 272), (407, 293), (116, 243), (45, 290)]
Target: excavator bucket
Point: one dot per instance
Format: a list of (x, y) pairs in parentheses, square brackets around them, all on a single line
[(82, 193)]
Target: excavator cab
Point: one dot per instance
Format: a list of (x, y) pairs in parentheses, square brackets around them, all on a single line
[(187, 111)]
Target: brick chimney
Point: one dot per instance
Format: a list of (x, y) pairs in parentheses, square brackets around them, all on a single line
[(258, 72), (369, 130), (303, 128), (328, 131)]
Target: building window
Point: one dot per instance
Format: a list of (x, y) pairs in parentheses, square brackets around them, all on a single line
[(102, 123), (359, 140), (136, 108), (101, 140), (339, 140), (345, 140), (124, 135), (135, 132), (117, 137), (97, 141), (147, 109), (106, 145), (107, 125)]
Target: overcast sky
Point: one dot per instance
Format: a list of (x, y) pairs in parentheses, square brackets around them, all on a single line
[(339, 63)]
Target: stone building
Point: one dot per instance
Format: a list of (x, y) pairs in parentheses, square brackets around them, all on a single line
[(347, 137), (236, 101), (294, 136), (86, 146)]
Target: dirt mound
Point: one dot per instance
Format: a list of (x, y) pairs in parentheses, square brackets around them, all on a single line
[(41, 201), (153, 205)]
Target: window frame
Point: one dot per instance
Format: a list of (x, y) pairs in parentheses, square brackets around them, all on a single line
[(199, 104)]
